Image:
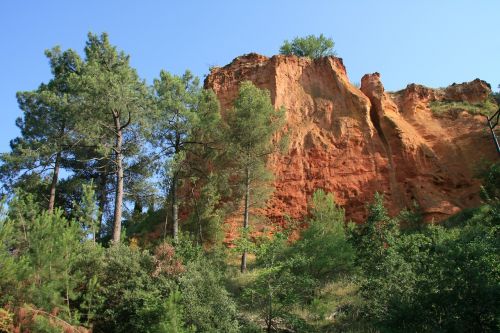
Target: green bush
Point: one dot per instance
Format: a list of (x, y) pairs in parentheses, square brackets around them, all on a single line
[(431, 279), (208, 305), (133, 297)]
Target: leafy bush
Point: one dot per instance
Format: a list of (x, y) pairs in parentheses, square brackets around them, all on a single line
[(431, 279), (208, 306), (133, 296)]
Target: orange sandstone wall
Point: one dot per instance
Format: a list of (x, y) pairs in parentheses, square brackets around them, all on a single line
[(353, 142)]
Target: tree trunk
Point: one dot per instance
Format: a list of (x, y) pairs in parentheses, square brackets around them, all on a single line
[(117, 221), (245, 217), (53, 185), (175, 209), (270, 309), (166, 221), (175, 203), (103, 181)]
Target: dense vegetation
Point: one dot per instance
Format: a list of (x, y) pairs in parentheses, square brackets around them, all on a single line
[(112, 221)]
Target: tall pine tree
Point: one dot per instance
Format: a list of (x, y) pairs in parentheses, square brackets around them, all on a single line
[(251, 126), (116, 99), (47, 125)]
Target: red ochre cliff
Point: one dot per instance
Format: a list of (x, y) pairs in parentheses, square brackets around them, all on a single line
[(354, 142)]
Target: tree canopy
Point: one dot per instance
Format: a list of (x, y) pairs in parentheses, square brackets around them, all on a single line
[(309, 46)]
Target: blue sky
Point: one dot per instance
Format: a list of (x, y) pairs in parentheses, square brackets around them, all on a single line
[(430, 42)]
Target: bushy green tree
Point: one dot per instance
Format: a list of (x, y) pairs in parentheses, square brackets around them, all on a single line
[(39, 260), (47, 126), (133, 296), (323, 245), (172, 321), (208, 305), (309, 46), (375, 237), (276, 289), (207, 217), (86, 211)]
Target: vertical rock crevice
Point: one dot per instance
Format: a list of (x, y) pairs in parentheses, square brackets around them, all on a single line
[(372, 87), (353, 142)]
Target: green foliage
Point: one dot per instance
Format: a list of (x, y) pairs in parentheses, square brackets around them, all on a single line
[(309, 46), (411, 219), (114, 99), (42, 324), (172, 321), (491, 182), (38, 255), (251, 126), (276, 289), (432, 279), (48, 122), (133, 296), (208, 216), (324, 245), (487, 108), (53, 280), (373, 239), (186, 122), (208, 306), (86, 212)]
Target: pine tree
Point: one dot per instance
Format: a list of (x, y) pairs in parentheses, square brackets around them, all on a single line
[(47, 125), (186, 120), (115, 98), (251, 126), (87, 212)]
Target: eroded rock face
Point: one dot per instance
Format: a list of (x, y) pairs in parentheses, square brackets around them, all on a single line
[(354, 142)]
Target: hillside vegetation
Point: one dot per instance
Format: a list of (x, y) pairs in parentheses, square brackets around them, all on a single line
[(115, 198)]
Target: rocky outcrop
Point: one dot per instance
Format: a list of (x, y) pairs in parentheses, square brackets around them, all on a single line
[(354, 142)]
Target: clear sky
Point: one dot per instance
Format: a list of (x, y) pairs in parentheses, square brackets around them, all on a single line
[(432, 42)]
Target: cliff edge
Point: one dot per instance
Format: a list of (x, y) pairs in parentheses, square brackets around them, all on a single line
[(354, 141)]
